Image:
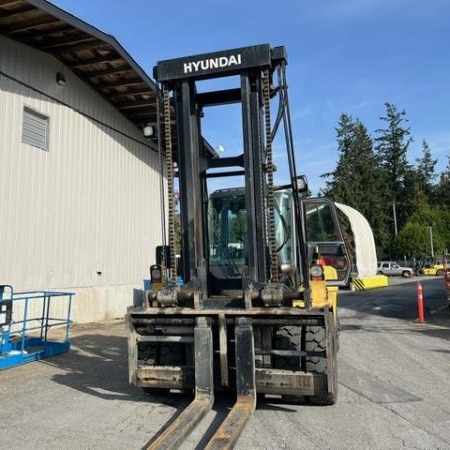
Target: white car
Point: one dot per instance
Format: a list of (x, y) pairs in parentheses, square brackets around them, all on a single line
[(392, 268)]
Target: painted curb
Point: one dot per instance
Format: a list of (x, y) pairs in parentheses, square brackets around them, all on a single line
[(367, 283)]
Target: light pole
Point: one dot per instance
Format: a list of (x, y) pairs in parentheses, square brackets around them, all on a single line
[(430, 227), (394, 213)]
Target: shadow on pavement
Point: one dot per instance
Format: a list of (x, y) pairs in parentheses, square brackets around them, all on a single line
[(97, 365)]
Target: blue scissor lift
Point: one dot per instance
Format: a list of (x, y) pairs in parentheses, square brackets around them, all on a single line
[(28, 332)]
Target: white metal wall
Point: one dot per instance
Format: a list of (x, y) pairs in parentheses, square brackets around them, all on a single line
[(86, 214)]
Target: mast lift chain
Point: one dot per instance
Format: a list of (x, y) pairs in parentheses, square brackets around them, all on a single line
[(172, 272), (274, 273)]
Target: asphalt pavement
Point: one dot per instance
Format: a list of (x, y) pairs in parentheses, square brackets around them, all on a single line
[(394, 383)]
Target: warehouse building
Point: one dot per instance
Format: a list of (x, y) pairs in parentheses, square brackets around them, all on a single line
[(79, 187)]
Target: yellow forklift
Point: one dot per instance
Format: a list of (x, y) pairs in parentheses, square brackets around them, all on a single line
[(254, 314)]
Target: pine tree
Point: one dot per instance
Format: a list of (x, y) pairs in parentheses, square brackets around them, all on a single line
[(392, 145), (443, 187), (374, 178), (334, 188), (417, 194), (356, 181), (369, 183), (426, 171)]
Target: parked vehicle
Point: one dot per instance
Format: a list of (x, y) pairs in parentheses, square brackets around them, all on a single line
[(430, 266), (393, 268)]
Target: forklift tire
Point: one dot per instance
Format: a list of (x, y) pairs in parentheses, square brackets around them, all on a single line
[(315, 342), (288, 338), (171, 354), (327, 400), (155, 391), (294, 399), (148, 353)]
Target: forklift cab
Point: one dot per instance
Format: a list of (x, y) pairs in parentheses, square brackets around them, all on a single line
[(228, 244)]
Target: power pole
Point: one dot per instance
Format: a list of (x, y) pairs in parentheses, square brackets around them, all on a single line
[(431, 242), (395, 219)]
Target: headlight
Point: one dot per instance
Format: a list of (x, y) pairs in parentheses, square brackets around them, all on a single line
[(155, 274), (316, 271)]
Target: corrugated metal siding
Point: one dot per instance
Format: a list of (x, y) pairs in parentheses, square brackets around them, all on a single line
[(85, 213)]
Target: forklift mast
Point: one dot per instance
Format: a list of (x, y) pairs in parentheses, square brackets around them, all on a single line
[(255, 67), (255, 314)]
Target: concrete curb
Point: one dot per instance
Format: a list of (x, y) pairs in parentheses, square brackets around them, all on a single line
[(367, 283)]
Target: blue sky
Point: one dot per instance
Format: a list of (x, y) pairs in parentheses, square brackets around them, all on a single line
[(347, 56)]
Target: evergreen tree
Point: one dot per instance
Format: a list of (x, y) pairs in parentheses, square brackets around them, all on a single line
[(443, 187), (335, 188), (426, 171), (356, 181), (413, 240), (416, 192), (392, 145), (374, 178)]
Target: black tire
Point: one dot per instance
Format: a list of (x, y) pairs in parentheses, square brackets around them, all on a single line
[(380, 272), (315, 341), (406, 274), (168, 354), (148, 353), (294, 399), (171, 354), (288, 338), (326, 400), (440, 273), (155, 391)]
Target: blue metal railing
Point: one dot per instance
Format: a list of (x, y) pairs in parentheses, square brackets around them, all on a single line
[(25, 337)]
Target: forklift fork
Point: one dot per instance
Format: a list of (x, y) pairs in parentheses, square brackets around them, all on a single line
[(174, 435), (230, 429)]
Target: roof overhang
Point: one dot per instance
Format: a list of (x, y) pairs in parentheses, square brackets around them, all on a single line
[(94, 56)]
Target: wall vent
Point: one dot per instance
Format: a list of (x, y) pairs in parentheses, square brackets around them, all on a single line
[(35, 129)]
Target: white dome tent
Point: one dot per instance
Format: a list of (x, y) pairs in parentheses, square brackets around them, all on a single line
[(366, 255)]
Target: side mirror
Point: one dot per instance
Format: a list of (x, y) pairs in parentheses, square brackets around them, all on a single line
[(302, 184)]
